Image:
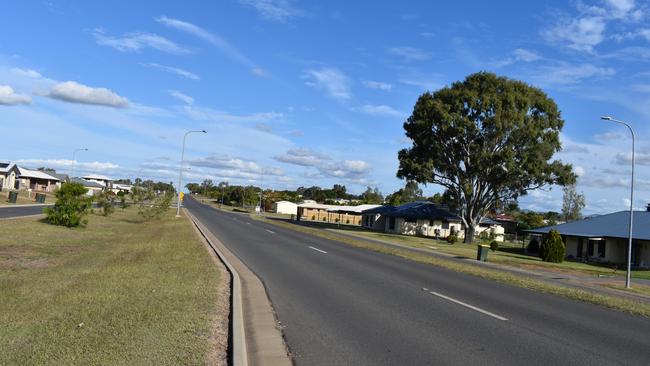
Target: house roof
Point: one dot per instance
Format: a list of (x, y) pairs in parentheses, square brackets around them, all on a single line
[(97, 177), (504, 217), (334, 208), (422, 210), (87, 183), (62, 177), (6, 166), (613, 225), (36, 174)]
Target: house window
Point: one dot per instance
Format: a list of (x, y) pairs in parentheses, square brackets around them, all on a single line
[(590, 248), (601, 249), (445, 224), (580, 249), (411, 220), (391, 223), (431, 223)]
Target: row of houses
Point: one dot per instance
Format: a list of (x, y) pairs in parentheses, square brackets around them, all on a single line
[(422, 218), (14, 177)]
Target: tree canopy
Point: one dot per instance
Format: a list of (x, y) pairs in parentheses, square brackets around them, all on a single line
[(486, 139)]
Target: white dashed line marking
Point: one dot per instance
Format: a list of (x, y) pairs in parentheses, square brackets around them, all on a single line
[(248, 223), (272, 232), (318, 250), (468, 305)]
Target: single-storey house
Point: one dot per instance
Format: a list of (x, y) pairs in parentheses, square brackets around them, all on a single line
[(36, 180), (8, 174), (604, 238), (101, 179), (508, 222), (119, 187), (285, 207), (423, 218), (349, 215), (93, 187)]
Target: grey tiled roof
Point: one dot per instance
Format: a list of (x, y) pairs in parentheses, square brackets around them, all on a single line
[(614, 225), (417, 210)]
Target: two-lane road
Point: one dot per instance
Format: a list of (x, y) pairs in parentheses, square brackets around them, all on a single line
[(341, 305), (20, 211)]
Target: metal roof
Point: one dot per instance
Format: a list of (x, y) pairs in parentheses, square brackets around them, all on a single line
[(418, 210), (614, 225), (97, 177), (37, 174)]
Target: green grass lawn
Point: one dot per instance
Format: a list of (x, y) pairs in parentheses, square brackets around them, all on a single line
[(509, 253), (120, 291)]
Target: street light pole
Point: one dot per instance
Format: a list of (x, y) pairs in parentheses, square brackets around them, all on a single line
[(180, 171), (629, 244), (73, 160), (261, 190)]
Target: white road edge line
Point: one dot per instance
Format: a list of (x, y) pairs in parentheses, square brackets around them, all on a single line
[(318, 250), (272, 232), (468, 306)]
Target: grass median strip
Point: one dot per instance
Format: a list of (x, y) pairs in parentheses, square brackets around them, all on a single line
[(613, 302), (121, 291)]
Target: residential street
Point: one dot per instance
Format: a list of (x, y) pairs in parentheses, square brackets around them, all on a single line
[(341, 305), (18, 211)]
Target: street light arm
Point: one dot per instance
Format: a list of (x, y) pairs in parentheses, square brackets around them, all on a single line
[(180, 171)]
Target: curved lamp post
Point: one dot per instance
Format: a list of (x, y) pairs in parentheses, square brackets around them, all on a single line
[(629, 244), (73, 161), (180, 171)]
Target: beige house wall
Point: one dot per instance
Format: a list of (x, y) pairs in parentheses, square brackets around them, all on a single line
[(321, 215), (423, 228), (8, 180)]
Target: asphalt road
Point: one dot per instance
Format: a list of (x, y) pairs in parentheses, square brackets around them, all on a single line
[(340, 305), (9, 212)]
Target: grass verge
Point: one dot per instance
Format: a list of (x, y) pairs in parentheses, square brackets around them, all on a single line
[(120, 291), (613, 302)]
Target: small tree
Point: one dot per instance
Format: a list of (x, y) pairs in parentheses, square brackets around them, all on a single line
[(70, 207), (572, 203), (552, 248), (105, 201), (533, 246)]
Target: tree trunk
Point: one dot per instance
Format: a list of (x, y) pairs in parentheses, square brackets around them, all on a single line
[(469, 233)]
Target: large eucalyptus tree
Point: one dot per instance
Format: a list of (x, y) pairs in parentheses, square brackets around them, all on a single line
[(486, 139)]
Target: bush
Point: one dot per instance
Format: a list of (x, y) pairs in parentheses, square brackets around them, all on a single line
[(552, 248), (452, 239), (71, 206), (494, 246), (105, 202), (122, 196), (157, 207), (533, 246)]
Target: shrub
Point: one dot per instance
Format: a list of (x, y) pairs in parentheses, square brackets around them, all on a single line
[(552, 248), (70, 207), (157, 207), (105, 202), (494, 246), (533, 246), (452, 239), (122, 196)]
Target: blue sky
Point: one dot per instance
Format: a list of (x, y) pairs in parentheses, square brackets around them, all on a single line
[(297, 93)]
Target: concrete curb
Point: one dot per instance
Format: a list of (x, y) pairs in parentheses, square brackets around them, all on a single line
[(255, 335), (26, 205), (22, 217)]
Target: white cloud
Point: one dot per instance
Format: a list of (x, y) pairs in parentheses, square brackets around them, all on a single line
[(73, 92), (624, 9), (581, 34), (377, 85), (578, 170), (410, 53), (64, 165), (525, 55), (380, 110), (564, 73), (214, 39), (209, 114), (275, 10), (26, 72), (182, 97), (331, 80), (9, 97), (136, 41), (351, 170), (173, 70), (639, 158)]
